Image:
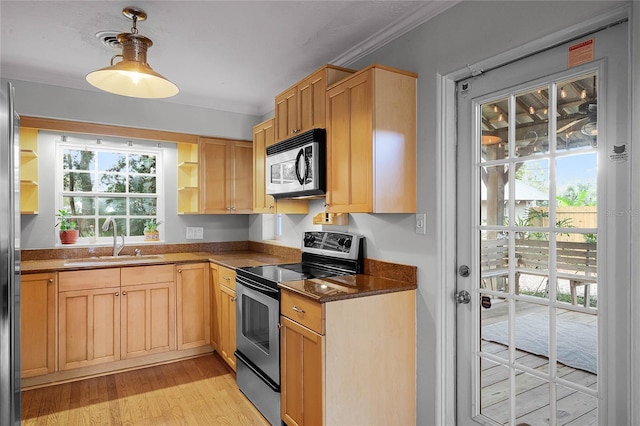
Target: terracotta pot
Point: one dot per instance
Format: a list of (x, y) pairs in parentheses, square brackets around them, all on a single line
[(69, 237)]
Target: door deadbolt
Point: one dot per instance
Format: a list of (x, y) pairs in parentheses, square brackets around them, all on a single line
[(464, 271)]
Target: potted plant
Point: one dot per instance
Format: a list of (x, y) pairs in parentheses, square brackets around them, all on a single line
[(68, 232), (151, 232)]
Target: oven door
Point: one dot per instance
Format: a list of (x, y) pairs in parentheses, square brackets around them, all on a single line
[(293, 171), (257, 334)]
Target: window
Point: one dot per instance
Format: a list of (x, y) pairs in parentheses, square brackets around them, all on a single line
[(98, 179)]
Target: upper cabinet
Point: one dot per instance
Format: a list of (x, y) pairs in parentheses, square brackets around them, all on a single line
[(29, 170), (371, 142), (302, 106), (263, 136), (227, 176), (188, 178)]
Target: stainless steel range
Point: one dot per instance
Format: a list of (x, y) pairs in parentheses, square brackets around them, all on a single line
[(324, 254)]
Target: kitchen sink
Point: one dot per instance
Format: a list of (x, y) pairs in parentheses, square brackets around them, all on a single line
[(112, 260)]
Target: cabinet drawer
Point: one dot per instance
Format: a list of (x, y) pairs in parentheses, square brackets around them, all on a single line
[(227, 277), (151, 274), (303, 311), (88, 280)]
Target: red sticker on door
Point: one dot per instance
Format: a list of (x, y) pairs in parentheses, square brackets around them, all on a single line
[(581, 53)]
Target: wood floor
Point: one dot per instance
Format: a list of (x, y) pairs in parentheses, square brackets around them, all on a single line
[(198, 391)]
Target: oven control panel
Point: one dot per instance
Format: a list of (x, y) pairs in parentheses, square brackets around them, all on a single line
[(338, 244)]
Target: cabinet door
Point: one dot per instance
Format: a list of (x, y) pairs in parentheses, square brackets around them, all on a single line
[(148, 319), (216, 191), (214, 291), (286, 114), (38, 323), (302, 374), (349, 150), (192, 302), (312, 93), (263, 136), (241, 177), (228, 325), (89, 327)]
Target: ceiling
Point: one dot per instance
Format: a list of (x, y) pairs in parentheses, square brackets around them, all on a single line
[(228, 55)]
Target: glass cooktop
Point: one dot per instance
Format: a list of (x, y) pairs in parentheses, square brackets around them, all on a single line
[(289, 272)]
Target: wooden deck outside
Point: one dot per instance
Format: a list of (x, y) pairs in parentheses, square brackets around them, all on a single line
[(532, 393)]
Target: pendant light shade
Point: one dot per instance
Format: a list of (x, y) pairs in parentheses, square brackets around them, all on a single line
[(133, 76)]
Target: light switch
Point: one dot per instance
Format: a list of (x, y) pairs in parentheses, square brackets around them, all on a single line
[(421, 222)]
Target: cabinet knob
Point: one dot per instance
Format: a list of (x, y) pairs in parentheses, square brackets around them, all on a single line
[(124, 293), (233, 299), (271, 206), (179, 271), (299, 310), (117, 293), (50, 280), (233, 208), (279, 326)]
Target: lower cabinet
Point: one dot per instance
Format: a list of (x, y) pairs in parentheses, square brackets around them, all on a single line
[(329, 375), (89, 317), (193, 310), (223, 299), (38, 323), (148, 313)]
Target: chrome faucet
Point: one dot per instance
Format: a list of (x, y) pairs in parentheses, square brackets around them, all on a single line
[(105, 227)]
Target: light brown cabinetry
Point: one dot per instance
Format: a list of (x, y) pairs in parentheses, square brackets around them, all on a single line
[(148, 310), (89, 317), (225, 312), (302, 106), (193, 310), (188, 178), (38, 323), (371, 142), (227, 176), (29, 189), (328, 376), (263, 136)]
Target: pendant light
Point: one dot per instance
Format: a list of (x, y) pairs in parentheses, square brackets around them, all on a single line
[(133, 76)]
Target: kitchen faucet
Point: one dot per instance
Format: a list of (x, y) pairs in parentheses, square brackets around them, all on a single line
[(105, 227)]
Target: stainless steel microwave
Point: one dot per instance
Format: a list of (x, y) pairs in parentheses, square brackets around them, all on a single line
[(296, 167)]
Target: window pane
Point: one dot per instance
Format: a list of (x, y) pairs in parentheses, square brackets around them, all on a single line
[(77, 182), (121, 224), (495, 130), (73, 159), (111, 161), (577, 121), (142, 184), (142, 164), (79, 206), (111, 183), (142, 206), (112, 206), (136, 227), (86, 226), (532, 122)]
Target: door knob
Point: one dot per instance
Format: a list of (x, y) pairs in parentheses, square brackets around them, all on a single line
[(463, 297)]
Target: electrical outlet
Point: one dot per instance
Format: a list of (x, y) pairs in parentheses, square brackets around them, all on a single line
[(421, 222), (194, 233)]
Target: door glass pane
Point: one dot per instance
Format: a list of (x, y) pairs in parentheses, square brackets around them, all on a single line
[(576, 408), (577, 113), (532, 273), (577, 336), (532, 122), (494, 195), (494, 391), (495, 130), (531, 335), (532, 399)]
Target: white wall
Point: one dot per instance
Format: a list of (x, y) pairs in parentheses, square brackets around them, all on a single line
[(464, 34)]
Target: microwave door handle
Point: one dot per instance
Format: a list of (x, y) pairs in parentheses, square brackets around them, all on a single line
[(298, 174)]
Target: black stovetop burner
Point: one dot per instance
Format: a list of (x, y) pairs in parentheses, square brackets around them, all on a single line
[(331, 254)]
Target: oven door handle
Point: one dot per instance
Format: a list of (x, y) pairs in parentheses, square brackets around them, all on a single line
[(266, 379), (256, 286)]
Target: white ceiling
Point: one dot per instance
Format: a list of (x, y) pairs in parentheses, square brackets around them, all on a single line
[(227, 55)]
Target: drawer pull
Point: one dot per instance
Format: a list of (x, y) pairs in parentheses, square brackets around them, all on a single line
[(300, 310), (226, 278), (233, 299)]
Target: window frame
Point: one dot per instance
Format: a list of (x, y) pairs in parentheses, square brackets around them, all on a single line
[(116, 146)]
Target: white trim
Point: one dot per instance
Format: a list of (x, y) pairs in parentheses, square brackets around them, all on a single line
[(447, 201), (411, 20)]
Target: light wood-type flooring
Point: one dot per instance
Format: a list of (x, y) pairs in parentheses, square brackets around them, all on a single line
[(197, 391)]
